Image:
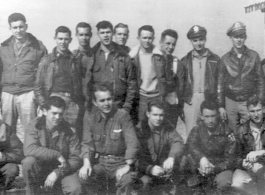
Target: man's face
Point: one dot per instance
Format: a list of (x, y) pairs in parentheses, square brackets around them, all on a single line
[(198, 44), (103, 100), (83, 35), (105, 36), (146, 39), (121, 35), (238, 40), (18, 29), (155, 116), (168, 44), (256, 113), (209, 118), (62, 41), (53, 116)]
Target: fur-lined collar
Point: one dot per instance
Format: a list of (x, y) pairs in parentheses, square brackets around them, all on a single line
[(135, 51)]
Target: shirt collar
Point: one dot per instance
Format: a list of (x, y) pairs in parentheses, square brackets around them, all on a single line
[(59, 54), (99, 116), (195, 54), (104, 49)]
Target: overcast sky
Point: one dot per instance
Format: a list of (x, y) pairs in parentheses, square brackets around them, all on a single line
[(44, 16)]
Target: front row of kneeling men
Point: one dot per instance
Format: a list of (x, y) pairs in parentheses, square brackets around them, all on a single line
[(147, 158)]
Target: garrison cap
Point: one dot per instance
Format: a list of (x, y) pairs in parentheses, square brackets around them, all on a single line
[(196, 31), (16, 17), (237, 28)]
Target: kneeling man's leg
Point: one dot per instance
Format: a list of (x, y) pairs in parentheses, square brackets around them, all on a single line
[(243, 182), (71, 185)]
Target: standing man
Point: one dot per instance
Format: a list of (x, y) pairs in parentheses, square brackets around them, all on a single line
[(150, 68), (52, 152), (203, 69), (211, 144), (161, 151), (176, 72), (121, 35), (109, 144), (242, 76), (249, 177), (82, 57), (110, 64), (20, 56), (59, 75)]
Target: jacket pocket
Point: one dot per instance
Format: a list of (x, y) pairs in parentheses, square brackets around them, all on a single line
[(116, 134)]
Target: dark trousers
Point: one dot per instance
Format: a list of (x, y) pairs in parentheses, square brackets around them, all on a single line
[(8, 173), (103, 178), (35, 173)]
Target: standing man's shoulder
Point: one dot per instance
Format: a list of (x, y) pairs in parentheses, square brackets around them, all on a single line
[(213, 56)]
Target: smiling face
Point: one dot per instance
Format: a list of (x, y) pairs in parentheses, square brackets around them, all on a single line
[(155, 116), (121, 35), (198, 44), (146, 39), (103, 101), (105, 36), (54, 116), (62, 40), (18, 29), (83, 35), (238, 41), (168, 44), (256, 113)]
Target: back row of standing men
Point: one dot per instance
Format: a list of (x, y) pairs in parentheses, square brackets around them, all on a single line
[(137, 78)]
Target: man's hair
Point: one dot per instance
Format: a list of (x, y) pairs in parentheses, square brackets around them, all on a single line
[(16, 17), (147, 28), (101, 87), (254, 100), (169, 32), (82, 25), (121, 25), (63, 29), (104, 24), (54, 101), (156, 103), (210, 105)]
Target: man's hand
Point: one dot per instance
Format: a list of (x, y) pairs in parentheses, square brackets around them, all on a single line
[(205, 166), (85, 171), (246, 164), (122, 171), (62, 160), (168, 164), (254, 155), (50, 180), (223, 114), (157, 171)]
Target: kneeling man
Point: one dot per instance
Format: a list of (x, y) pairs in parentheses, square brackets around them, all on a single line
[(212, 147), (109, 144), (161, 150), (249, 177), (52, 152)]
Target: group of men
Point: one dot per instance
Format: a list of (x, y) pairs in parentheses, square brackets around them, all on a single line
[(98, 118)]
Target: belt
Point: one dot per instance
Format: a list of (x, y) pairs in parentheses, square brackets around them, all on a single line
[(111, 156), (64, 94)]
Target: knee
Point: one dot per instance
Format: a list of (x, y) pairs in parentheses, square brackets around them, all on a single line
[(224, 180), (74, 188), (28, 162)]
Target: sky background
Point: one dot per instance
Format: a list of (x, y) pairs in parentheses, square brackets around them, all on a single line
[(44, 16)]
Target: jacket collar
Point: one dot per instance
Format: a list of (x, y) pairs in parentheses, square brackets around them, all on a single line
[(247, 129), (135, 51), (32, 41), (245, 52), (116, 48), (99, 116), (55, 53), (209, 53)]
